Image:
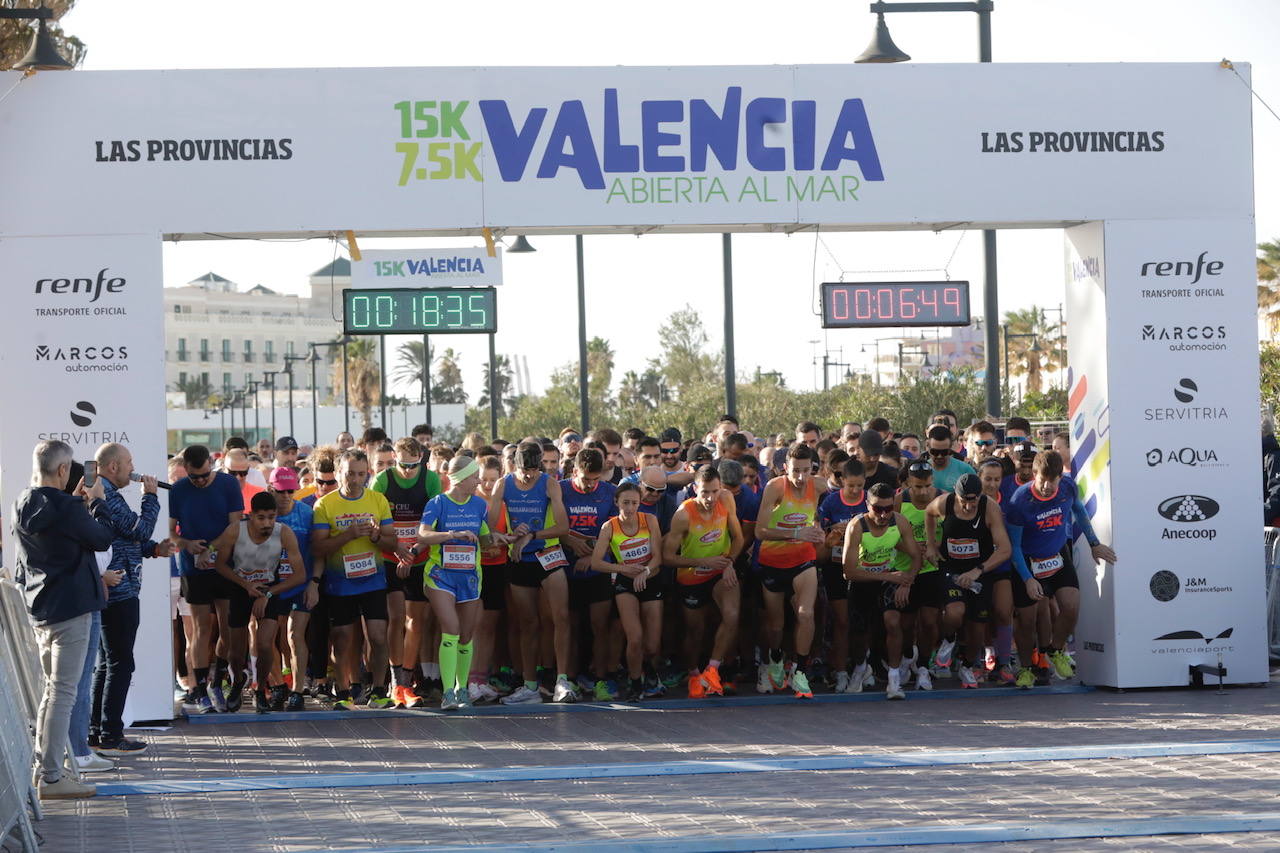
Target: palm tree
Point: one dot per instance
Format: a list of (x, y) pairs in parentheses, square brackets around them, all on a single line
[(412, 367), (1269, 281), (1033, 345), (641, 390), (599, 367), (364, 380), (197, 390), (503, 379), (448, 385)]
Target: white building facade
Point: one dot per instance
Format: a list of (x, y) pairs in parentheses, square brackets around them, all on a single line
[(230, 336)]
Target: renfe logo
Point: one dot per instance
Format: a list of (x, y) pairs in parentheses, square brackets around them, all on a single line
[(670, 126), (91, 287), (1183, 268)]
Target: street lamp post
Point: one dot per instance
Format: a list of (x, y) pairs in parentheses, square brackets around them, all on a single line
[(903, 349), (314, 358), (882, 49), (1035, 348), (257, 424), (288, 371), (269, 379)]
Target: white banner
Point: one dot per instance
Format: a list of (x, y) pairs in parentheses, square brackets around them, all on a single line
[(1184, 444), (435, 150), (1089, 413), (467, 267), (83, 362)]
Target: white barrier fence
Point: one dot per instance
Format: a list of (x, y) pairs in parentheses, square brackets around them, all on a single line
[(1272, 540), (21, 679)]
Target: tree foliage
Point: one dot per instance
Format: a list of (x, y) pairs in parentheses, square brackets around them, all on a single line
[(364, 378), (447, 387), (15, 35)]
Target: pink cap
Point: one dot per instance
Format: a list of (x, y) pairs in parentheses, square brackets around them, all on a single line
[(283, 479)]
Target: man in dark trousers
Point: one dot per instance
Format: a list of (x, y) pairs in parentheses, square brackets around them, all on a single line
[(120, 620), (56, 535)]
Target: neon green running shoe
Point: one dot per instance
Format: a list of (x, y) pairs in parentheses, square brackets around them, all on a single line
[(1026, 679), (1062, 664)]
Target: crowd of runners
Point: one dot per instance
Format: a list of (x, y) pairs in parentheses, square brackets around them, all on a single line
[(623, 566)]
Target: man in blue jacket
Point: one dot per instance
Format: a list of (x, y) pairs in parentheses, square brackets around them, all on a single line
[(56, 535), (120, 620)]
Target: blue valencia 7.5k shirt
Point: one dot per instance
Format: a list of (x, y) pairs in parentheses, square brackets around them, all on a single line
[(587, 511)]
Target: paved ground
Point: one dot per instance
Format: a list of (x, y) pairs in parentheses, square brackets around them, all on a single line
[(680, 807)]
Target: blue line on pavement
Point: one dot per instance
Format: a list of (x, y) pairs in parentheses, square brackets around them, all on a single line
[(656, 705), (924, 835), (921, 758)]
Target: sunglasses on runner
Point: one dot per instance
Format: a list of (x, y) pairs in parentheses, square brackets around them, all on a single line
[(940, 452), (881, 509), (206, 475), (920, 468), (244, 473), (656, 491), (666, 452), (984, 442), (408, 466), (320, 482), (284, 491)]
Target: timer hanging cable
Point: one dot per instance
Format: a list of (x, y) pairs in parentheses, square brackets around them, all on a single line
[(1227, 64)]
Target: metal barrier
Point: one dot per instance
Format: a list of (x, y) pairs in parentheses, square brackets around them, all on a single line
[(1271, 540), (21, 648), (17, 743)]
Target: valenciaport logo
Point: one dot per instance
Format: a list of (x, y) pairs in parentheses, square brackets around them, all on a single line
[(1187, 338), (76, 432), (1086, 267), (1165, 586), (1189, 457), (76, 297), (1185, 394), (1190, 641), (86, 359), (1188, 509)]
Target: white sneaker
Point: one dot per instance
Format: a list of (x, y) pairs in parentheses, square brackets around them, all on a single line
[(859, 679), (869, 676), (942, 659), (842, 682), (66, 788), (923, 680), (894, 688), (564, 691), (763, 683), (481, 693), (967, 678), (522, 696), (94, 763), (904, 671), (449, 702)]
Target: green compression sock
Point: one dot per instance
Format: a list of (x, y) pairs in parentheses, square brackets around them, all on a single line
[(448, 659)]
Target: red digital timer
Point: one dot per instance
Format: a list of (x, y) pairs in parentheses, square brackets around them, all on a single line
[(853, 305)]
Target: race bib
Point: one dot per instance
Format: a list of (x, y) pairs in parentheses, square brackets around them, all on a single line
[(837, 554), (286, 568), (552, 559), (458, 556), (357, 566), (259, 577), (962, 549), (1046, 567), (634, 550), (204, 562), (406, 532), (877, 568)]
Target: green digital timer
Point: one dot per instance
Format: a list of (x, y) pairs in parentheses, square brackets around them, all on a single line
[(420, 311)]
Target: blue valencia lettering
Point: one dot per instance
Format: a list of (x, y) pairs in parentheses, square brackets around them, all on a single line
[(429, 266), (666, 126)]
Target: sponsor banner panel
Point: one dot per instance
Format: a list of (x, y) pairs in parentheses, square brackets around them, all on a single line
[(427, 267), (1090, 425), (1183, 343), (440, 149), (83, 362)]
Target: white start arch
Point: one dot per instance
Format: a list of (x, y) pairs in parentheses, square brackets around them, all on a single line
[(1149, 166)]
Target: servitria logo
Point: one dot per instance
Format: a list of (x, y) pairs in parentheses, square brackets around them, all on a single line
[(78, 432)]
